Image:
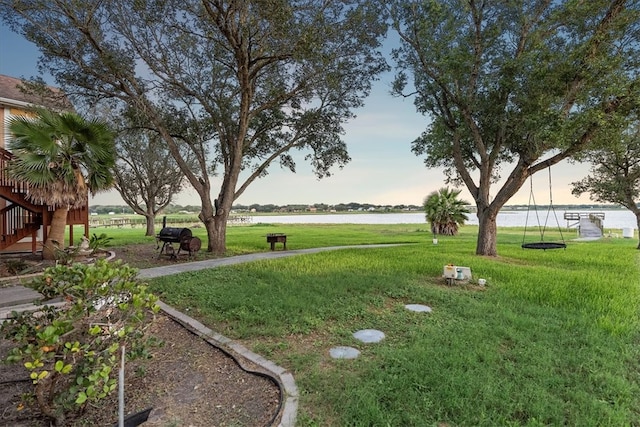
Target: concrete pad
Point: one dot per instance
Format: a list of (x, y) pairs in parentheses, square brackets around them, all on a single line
[(369, 335), (344, 353), (418, 308)]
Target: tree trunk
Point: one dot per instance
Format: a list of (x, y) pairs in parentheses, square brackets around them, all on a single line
[(207, 218), (638, 224), (220, 233), (44, 390), (151, 224), (215, 221), (55, 238), (488, 211), (487, 233)]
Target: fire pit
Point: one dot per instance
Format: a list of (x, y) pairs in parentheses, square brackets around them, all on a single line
[(182, 236), (273, 238)]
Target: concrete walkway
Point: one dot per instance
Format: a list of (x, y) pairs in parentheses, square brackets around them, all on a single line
[(167, 270), (20, 298)]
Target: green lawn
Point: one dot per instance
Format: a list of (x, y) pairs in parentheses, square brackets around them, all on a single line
[(552, 339)]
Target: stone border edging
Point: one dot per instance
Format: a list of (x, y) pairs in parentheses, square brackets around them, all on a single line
[(289, 408)]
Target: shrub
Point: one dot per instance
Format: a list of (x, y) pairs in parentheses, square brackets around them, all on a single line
[(71, 352), (444, 211), (97, 243)]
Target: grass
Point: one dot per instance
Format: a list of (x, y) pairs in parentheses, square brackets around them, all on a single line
[(251, 238), (551, 340)]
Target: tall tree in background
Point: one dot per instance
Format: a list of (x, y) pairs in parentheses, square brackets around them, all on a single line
[(61, 156), (615, 174), (514, 87), (252, 80), (147, 176)]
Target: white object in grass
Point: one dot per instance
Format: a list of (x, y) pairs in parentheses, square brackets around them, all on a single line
[(369, 335), (344, 353), (418, 308)]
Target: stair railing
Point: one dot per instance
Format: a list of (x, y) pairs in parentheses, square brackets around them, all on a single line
[(17, 223), (5, 179)]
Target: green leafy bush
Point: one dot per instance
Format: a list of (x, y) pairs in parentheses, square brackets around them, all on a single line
[(99, 242), (71, 351)]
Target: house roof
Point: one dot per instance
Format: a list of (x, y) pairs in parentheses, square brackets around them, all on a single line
[(10, 94)]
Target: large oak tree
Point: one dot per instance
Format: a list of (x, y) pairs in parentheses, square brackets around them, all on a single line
[(513, 87), (242, 82)]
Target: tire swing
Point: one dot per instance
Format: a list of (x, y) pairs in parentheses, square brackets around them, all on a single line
[(542, 228)]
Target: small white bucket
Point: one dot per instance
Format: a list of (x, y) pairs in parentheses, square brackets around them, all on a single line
[(628, 232)]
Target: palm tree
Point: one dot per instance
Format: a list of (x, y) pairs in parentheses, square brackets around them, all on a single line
[(61, 156), (444, 211)]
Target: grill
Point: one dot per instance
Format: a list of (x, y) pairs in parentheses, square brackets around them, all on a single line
[(182, 236), (173, 235)]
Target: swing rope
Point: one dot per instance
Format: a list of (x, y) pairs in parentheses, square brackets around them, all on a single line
[(553, 208), (542, 228)]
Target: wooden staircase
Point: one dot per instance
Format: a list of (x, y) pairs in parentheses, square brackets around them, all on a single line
[(17, 223), (20, 218)]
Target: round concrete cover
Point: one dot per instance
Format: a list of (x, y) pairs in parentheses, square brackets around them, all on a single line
[(418, 308), (344, 353), (369, 335)]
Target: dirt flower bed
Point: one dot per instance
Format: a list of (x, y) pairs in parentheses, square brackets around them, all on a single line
[(187, 381)]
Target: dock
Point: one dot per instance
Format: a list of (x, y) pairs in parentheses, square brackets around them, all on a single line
[(589, 224)]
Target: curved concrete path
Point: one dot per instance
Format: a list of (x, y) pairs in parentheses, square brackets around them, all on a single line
[(150, 273)]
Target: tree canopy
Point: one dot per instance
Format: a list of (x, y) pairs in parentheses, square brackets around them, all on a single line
[(514, 87), (146, 175), (242, 83)]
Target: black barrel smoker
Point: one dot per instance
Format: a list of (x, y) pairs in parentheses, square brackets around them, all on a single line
[(182, 236)]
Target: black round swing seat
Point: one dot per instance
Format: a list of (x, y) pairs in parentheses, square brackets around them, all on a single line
[(544, 245)]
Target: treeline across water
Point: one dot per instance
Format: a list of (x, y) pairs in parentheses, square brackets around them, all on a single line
[(268, 208), (323, 207)]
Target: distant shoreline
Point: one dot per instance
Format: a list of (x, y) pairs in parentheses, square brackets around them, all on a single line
[(512, 208)]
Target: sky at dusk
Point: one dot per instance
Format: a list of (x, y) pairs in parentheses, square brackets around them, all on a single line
[(383, 170)]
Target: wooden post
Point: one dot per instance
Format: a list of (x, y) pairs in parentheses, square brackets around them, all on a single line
[(34, 241)]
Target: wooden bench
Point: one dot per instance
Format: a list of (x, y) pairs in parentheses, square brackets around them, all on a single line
[(273, 238)]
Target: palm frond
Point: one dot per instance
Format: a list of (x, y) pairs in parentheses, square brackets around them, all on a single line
[(445, 212), (61, 156)]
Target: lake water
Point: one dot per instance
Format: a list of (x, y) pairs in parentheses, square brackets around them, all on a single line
[(616, 219)]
